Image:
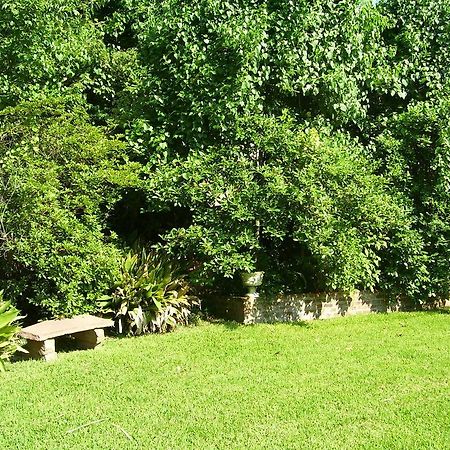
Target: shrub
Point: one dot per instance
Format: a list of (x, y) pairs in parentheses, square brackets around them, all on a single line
[(8, 341), (60, 177), (149, 296), (284, 184)]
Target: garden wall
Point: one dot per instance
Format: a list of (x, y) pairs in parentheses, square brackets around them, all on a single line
[(297, 307)]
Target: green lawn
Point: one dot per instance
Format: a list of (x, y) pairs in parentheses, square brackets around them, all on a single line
[(379, 381)]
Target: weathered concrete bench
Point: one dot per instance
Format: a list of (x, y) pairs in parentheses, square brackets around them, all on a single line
[(87, 330)]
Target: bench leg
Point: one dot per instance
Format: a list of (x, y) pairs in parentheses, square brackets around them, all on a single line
[(42, 349), (90, 338)]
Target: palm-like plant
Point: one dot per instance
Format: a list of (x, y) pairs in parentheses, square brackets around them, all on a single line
[(149, 296), (9, 344)]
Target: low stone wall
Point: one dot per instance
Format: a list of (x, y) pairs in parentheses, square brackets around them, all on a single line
[(294, 308)]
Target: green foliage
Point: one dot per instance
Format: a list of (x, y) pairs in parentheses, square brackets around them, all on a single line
[(415, 156), (251, 119), (60, 175), (49, 45), (283, 184), (200, 63), (56, 47), (149, 296), (204, 64), (327, 58), (420, 34), (225, 111), (8, 342)]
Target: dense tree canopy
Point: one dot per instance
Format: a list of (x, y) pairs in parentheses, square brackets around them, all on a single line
[(308, 139)]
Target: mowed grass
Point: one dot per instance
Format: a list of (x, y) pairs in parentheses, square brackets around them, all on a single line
[(379, 381)]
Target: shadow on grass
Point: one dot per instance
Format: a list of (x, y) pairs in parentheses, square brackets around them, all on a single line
[(228, 324), (300, 323), (443, 310), (63, 344), (233, 325)]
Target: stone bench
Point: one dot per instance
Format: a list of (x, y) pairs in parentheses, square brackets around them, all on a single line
[(87, 330)]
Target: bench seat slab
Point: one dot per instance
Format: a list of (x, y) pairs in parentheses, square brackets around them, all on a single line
[(55, 328)]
